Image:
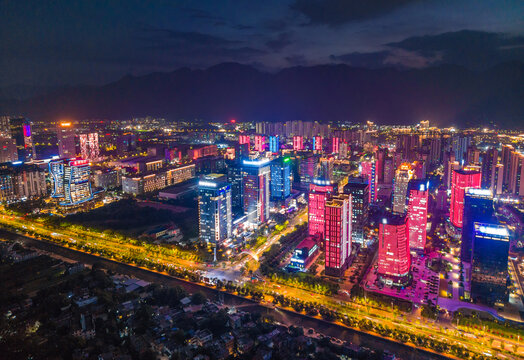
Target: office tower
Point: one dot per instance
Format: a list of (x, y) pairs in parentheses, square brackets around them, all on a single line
[(435, 151), (260, 143), (460, 181), (358, 188), (20, 131), (19, 182), (343, 150), (418, 217), (379, 165), (505, 159), (460, 146), (66, 140), (489, 267), (274, 144), (450, 166), (70, 178), (472, 155), (243, 139), (516, 174), (280, 178), (317, 144), (8, 150), (389, 170), (319, 192), (89, 148), (478, 207), (334, 145), (298, 143), (337, 234), (367, 168), (325, 169), (400, 190), (489, 164), (498, 180), (307, 169), (255, 182), (214, 209), (394, 258)]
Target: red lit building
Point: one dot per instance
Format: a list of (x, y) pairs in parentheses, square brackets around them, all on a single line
[(335, 145), (318, 195), (317, 143), (394, 259), (260, 143), (460, 181), (198, 152), (337, 234), (367, 169), (298, 143), (243, 139), (418, 217)]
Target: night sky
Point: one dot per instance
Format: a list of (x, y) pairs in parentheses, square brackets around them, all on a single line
[(49, 43)]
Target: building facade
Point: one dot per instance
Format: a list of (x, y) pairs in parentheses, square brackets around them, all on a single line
[(214, 209), (337, 234), (394, 258), (460, 181)]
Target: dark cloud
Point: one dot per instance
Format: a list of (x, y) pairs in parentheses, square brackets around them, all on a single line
[(473, 49), (191, 38), (337, 12), (296, 60), (357, 59), (279, 43)]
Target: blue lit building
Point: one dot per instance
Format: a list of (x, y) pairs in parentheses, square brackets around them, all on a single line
[(255, 190), (304, 253), (274, 143), (214, 209), (70, 178), (280, 178), (489, 266), (478, 207)]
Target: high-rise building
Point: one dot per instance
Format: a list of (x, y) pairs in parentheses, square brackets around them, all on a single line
[(516, 174), (460, 146), (307, 169), (489, 267), (20, 131), (66, 140), (389, 170), (280, 178), (243, 139), (214, 209), (337, 234), (8, 150), (368, 169), (473, 155), (498, 180), (334, 145), (70, 179), (298, 143), (418, 217), (255, 182), (325, 169), (319, 192), (260, 143), (89, 148), (394, 258), (234, 177), (343, 150), (435, 151), (489, 164), (317, 144), (460, 181), (400, 190), (274, 144), (19, 182), (505, 159), (358, 188), (478, 207)]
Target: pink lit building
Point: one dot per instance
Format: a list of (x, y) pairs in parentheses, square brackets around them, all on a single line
[(243, 139), (260, 143), (317, 144), (394, 259), (334, 145), (460, 181), (337, 234), (298, 143), (367, 169), (418, 217), (318, 195)]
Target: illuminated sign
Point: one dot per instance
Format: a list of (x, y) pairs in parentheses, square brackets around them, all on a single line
[(287, 160), (483, 192), (78, 162), (321, 182), (256, 162), (493, 230), (65, 124), (207, 183)]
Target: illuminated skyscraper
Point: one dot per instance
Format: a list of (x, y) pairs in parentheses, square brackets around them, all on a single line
[(489, 267), (418, 217), (400, 191), (280, 178), (394, 258), (255, 180), (317, 144), (20, 131), (214, 209), (66, 140), (505, 159), (460, 181), (70, 181), (516, 174), (243, 139), (274, 144), (319, 192), (89, 148), (478, 207), (460, 146), (298, 143), (307, 169), (489, 165), (368, 169), (325, 169), (358, 188), (337, 234), (260, 143), (334, 145)]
